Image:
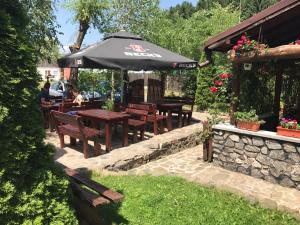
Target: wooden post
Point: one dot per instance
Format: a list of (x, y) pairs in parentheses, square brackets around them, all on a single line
[(278, 86), (162, 86), (112, 86), (236, 90), (298, 105), (124, 75)]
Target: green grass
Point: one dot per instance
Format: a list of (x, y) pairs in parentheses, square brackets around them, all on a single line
[(171, 200)]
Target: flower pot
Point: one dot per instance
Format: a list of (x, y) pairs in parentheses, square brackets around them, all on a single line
[(288, 132), (244, 125)]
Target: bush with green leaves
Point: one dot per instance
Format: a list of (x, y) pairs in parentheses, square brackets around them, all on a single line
[(32, 189)]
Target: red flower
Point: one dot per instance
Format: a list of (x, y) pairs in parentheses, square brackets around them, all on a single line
[(218, 83), (243, 37), (248, 42), (236, 47), (223, 75), (295, 121), (213, 89), (298, 42), (240, 42)]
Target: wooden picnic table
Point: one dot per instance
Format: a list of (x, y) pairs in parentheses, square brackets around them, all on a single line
[(108, 117), (170, 108)]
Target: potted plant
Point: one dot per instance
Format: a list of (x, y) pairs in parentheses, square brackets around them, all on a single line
[(248, 120), (289, 128)]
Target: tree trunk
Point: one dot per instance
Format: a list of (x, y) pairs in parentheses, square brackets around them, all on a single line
[(83, 27)]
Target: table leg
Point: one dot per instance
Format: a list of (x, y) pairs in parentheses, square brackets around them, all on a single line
[(108, 136), (125, 132), (169, 120), (180, 118)]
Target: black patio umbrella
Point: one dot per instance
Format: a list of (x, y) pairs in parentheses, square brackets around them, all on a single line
[(125, 51)]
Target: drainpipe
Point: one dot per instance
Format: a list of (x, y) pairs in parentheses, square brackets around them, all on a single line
[(209, 59)]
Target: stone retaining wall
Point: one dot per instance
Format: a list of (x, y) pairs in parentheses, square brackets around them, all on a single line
[(277, 161), (142, 152)]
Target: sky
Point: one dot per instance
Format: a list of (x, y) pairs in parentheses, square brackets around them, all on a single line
[(69, 29)]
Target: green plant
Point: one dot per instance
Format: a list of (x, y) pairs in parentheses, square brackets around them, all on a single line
[(153, 201), (249, 116), (108, 105), (32, 189)]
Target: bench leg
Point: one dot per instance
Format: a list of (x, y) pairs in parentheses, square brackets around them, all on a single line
[(72, 141), (135, 139), (184, 119), (62, 140), (161, 127), (155, 128), (142, 133), (189, 118), (97, 146), (85, 149)]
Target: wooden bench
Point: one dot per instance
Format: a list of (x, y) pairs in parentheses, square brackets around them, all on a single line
[(137, 122), (73, 126), (186, 113), (87, 201), (153, 117)]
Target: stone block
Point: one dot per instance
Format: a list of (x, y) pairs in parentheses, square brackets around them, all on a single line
[(243, 170), (256, 173), (271, 179), (218, 137), (256, 164), (230, 166), (294, 157), (239, 161), (240, 145), (215, 150), (289, 147), (247, 140), (265, 172), (295, 173), (287, 182), (229, 143), (238, 151), (220, 147), (273, 145), (264, 150), (234, 138), (258, 141), (233, 155), (251, 154), (277, 154), (252, 148), (263, 159)]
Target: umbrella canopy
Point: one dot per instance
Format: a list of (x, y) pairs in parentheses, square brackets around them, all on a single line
[(125, 51)]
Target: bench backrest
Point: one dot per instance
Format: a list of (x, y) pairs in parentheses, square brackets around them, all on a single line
[(190, 101), (142, 114), (60, 118)]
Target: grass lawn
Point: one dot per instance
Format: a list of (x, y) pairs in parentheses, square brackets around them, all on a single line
[(171, 200)]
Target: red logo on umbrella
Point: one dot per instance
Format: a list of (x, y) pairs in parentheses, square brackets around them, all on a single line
[(137, 48)]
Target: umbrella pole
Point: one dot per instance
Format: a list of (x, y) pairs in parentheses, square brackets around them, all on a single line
[(145, 86), (124, 97)]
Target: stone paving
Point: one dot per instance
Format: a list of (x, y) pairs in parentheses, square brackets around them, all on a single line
[(189, 164)]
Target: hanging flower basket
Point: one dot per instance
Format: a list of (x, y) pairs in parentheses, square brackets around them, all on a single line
[(288, 132), (245, 125)]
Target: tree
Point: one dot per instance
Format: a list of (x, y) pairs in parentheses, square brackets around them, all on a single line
[(129, 15), (185, 10), (32, 189), (42, 26)]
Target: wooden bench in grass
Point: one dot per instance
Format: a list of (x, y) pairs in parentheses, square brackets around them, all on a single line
[(73, 126), (88, 195), (153, 117), (137, 122)]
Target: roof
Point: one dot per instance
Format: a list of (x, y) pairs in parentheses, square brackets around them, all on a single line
[(277, 25), (123, 34)]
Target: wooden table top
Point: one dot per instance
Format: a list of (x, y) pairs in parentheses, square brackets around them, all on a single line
[(170, 105), (103, 114), (52, 106)]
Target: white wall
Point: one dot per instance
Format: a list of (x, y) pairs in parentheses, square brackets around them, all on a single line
[(44, 71)]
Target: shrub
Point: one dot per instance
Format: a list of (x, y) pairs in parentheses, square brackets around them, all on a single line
[(32, 189)]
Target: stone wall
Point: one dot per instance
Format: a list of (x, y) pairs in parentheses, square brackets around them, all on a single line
[(271, 159)]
